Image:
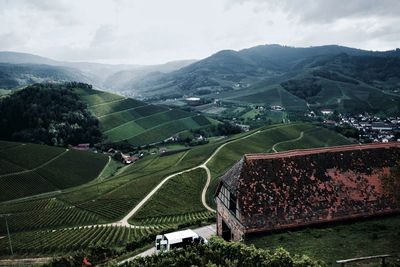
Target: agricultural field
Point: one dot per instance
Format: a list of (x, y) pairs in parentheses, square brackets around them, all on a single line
[(65, 240), (135, 121), (180, 195), (335, 242), (30, 169), (178, 202), (286, 136)]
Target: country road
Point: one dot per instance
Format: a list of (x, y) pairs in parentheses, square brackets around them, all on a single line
[(205, 231)]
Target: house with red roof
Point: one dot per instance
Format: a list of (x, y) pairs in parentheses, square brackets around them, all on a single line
[(264, 192)]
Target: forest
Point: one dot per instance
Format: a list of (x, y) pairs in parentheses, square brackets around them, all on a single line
[(50, 114)]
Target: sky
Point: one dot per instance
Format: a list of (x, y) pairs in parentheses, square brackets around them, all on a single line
[(158, 31)]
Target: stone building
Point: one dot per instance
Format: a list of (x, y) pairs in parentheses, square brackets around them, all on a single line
[(264, 192)]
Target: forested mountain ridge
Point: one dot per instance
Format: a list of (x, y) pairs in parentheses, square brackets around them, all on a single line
[(227, 68), (22, 69), (49, 114)]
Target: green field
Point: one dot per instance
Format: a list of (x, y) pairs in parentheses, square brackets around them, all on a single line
[(338, 242), (66, 240), (178, 202), (137, 122), (29, 169), (180, 195)]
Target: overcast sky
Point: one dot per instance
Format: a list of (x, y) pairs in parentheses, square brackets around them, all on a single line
[(157, 31)]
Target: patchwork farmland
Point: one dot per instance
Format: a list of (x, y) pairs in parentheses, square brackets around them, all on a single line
[(92, 214), (137, 122)]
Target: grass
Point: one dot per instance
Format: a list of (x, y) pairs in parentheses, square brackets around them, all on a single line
[(124, 131), (111, 169), (317, 137), (180, 195), (343, 241)]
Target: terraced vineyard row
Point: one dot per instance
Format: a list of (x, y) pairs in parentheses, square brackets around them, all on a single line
[(31, 205), (177, 219), (65, 240), (104, 109), (137, 122), (49, 218), (109, 208), (20, 185), (29, 169), (29, 156)]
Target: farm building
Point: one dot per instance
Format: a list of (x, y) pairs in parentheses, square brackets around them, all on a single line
[(264, 192)]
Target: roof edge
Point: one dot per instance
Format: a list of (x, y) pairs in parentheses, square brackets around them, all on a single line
[(310, 151)]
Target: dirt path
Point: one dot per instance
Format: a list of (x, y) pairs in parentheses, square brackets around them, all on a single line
[(38, 167), (287, 141), (105, 103), (104, 168)]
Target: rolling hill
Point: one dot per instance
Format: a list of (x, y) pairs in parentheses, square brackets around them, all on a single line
[(105, 201), (21, 69), (121, 118), (30, 169), (324, 77)]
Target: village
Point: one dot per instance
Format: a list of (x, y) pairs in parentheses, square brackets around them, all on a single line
[(371, 128)]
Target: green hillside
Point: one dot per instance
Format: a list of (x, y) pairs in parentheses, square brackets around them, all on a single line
[(178, 202), (139, 123), (30, 169)]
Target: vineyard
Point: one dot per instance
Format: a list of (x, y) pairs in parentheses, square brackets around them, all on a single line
[(36, 223), (72, 239), (30, 169), (186, 218), (139, 123), (181, 195), (46, 214)]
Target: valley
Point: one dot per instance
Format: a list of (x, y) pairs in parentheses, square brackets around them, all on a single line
[(158, 138), (104, 202)]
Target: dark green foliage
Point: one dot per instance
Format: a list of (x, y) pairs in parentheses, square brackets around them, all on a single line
[(225, 129), (304, 88), (222, 253), (94, 254), (49, 114), (347, 131)]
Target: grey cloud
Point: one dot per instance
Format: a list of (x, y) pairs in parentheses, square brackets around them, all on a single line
[(105, 34), (326, 11)]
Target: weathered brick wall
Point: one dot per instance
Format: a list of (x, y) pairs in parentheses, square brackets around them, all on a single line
[(224, 214)]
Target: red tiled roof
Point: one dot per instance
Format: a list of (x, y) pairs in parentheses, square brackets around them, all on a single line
[(313, 185)]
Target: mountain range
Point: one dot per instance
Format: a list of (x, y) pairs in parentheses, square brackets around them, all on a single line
[(328, 76)]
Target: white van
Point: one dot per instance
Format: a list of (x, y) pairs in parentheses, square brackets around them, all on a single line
[(178, 239)]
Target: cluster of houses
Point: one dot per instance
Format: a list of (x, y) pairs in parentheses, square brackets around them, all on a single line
[(372, 128)]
